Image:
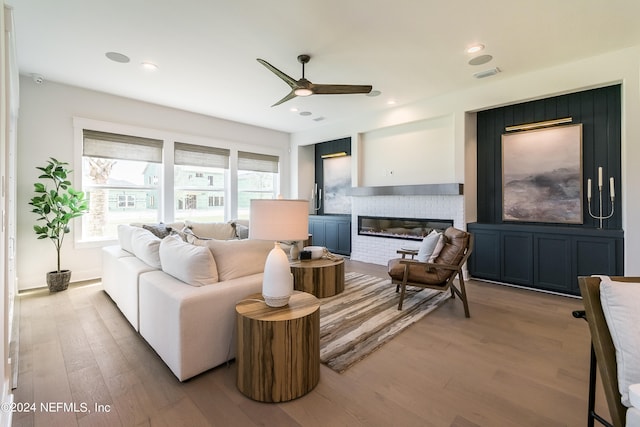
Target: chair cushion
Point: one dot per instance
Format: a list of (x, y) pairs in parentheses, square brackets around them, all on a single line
[(418, 273), (620, 302), (456, 241)]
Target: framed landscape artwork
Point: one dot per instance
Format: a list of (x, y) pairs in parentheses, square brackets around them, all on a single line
[(337, 182), (542, 175)]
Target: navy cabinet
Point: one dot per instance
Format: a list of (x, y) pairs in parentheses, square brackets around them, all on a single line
[(332, 232), (544, 257)]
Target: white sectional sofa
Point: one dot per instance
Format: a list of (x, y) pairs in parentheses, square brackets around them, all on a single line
[(181, 296)]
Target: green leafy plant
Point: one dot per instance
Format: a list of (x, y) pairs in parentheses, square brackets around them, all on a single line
[(56, 203)]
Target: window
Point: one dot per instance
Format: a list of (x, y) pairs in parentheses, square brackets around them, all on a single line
[(120, 175), (200, 175), (258, 178), (126, 201)]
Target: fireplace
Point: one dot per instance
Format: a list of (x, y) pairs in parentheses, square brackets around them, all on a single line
[(400, 228)]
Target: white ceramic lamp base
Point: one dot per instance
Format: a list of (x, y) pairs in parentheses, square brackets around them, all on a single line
[(277, 283)]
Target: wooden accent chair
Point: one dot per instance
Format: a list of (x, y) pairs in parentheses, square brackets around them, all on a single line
[(603, 352), (438, 274)]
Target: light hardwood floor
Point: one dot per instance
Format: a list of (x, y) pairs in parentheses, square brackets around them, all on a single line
[(520, 360)]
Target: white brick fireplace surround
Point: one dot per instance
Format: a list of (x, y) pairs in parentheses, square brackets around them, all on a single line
[(379, 250)]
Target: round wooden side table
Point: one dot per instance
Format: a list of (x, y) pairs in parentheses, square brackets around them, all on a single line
[(320, 277), (278, 349)]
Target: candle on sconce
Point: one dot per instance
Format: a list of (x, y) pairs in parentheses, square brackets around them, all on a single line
[(612, 189), (589, 188), (600, 177)]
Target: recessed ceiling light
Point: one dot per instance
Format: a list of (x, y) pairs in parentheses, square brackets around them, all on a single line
[(117, 57), (391, 102), (479, 60), (305, 113), (294, 109), (475, 48), (374, 93), (149, 66)]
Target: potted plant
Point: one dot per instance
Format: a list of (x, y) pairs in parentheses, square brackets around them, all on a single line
[(56, 204)]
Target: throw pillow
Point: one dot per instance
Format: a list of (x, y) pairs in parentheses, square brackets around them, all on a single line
[(159, 230), (428, 245), (620, 302), (212, 230), (192, 264), (438, 248), (145, 246), (237, 258)]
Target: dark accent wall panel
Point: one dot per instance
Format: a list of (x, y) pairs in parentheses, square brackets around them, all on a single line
[(599, 111)]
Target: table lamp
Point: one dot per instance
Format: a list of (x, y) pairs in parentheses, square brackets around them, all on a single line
[(278, 219)]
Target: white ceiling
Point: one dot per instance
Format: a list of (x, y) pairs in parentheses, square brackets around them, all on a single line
[(206, 50)]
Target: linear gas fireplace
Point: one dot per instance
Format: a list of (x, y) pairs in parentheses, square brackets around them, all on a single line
[(400, 228)]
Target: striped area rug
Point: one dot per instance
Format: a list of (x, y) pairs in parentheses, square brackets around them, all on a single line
[(359, 320)]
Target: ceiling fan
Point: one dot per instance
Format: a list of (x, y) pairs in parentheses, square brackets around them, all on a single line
[(304, 87)]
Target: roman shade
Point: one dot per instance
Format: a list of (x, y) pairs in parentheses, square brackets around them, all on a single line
[(124, 147), (200, 155), (257, 162)]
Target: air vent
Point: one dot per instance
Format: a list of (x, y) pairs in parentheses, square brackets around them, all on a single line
[(487, 73)]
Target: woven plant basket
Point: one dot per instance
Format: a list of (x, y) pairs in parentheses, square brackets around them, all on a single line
[(58, 281)]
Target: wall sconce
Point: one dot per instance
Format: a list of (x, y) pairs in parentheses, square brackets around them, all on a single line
[(338, 154)]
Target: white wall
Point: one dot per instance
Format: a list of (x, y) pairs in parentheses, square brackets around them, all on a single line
[(409, 153), (615, 67), (46, 130)]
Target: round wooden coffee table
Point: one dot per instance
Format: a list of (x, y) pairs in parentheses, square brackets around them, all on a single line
[(320, 277), (278, 349)]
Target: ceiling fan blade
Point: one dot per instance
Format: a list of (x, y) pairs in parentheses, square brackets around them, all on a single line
[(323, 89), (287, 79), (291, 95)]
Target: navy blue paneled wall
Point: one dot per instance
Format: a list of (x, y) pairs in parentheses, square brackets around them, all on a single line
[(599, 111)]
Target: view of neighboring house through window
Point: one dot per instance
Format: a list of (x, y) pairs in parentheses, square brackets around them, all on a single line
[(258, 178), (121, 176), (200, 174)]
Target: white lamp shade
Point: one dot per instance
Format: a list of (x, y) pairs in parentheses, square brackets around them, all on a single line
[(279, 219)]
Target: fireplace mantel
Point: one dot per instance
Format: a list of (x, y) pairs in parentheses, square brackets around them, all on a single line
[(452, 189)]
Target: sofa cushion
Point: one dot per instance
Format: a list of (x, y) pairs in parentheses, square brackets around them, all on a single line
[(191, 264), (620, 302), (124, 236), (145, 246), (237, 258), (212, 230)]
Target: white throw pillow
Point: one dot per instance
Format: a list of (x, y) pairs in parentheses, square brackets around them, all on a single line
[(212, 230), (428, 245), (238, 258), (124, 236), (438, 248), (192, 264), (620, 302), (145, 246)]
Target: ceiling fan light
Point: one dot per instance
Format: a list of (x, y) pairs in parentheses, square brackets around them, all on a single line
[(303, 91)]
